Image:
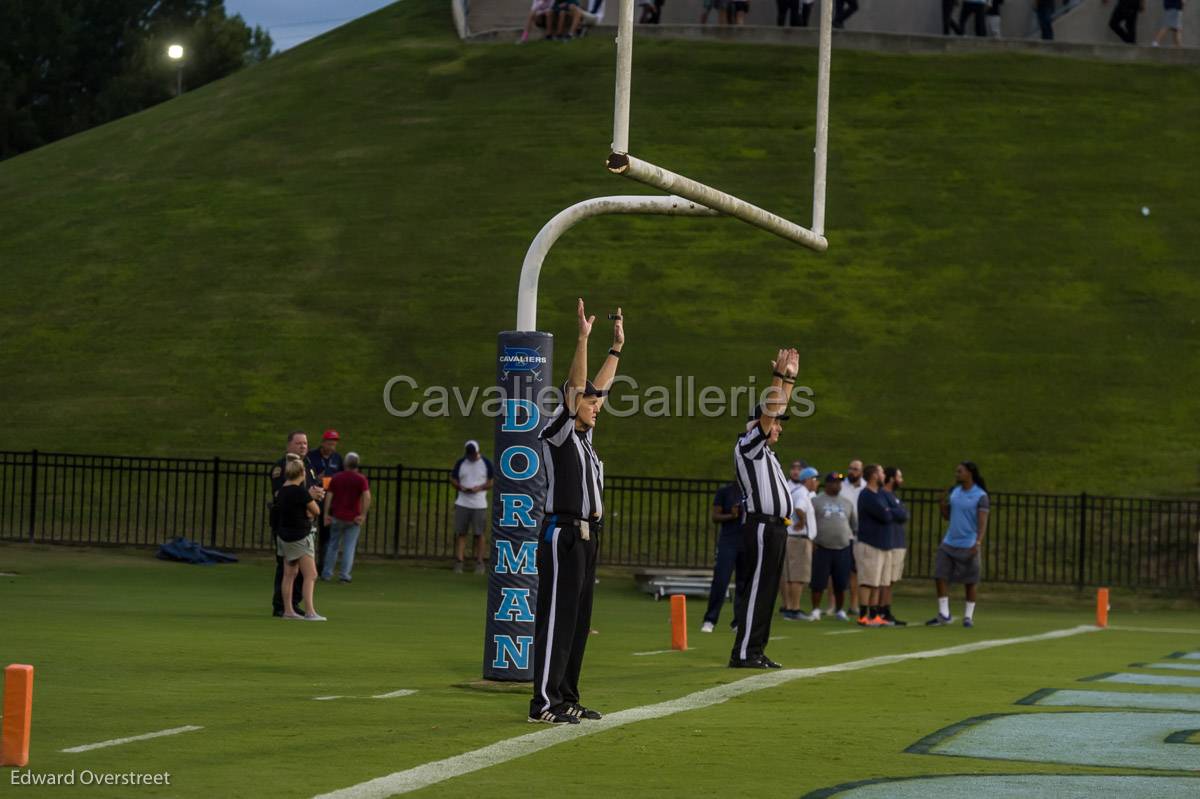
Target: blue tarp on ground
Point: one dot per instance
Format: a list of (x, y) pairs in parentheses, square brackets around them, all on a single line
[(185, 550)]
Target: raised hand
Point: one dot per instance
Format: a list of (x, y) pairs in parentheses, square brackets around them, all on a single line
[(619, 329), (585, 321)]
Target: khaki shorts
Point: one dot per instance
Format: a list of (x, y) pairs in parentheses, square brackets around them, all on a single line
[(896, 564), (292, 551), (873, 565), (797, 563)]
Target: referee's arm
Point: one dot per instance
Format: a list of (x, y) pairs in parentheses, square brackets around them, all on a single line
[(608, 370), (784, 367), (577, 376)]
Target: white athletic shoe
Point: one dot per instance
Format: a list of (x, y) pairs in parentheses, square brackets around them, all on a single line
[(315, 617), (707, 627), (841, 616), (815, 615)]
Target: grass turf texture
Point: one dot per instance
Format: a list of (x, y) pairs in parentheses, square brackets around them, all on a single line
[(125, 645), (267, 251)]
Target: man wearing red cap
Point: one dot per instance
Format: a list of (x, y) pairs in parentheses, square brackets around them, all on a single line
[(325, 462)]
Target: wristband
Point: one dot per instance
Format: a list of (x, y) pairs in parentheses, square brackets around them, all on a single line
[(615, 353), (782, 376)]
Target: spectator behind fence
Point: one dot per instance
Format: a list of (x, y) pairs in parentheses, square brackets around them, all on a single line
[(787, 11), (994, 22), (852, 486), (347, 501), (948, 24), (325, 463), (297, 448), (1044, 9), (297, 509), (844, 10), (472, 476), (1172, 21), (738, 9), (805, 12), (568, 16), (802, 526), (651, 11), (893, 479), (837, 519), (720, 6), (727, 512), (966, 507), (540, 16), (871, 549), (1124, 19), (975, 9)]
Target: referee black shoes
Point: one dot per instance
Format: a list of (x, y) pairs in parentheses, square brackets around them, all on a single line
[(581, 712), (549, 717), (760, 662)]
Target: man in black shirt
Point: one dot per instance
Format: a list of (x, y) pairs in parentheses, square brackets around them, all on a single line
[(727, 512), (297, 446), (768, 506), (567, 546)]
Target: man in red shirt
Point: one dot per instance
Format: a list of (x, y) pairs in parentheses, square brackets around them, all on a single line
[(347, 501)]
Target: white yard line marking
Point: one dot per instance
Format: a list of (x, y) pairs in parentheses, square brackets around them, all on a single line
[(842, 632), (132, 738), (503, 751), (327, 698), (656, 652), (1172, 630), (395, 694), (777, 638)]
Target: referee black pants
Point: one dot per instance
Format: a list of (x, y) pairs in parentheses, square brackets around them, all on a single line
[(760, 564), (566, 579)]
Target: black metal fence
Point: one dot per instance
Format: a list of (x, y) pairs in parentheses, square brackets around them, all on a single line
[(656, 522)]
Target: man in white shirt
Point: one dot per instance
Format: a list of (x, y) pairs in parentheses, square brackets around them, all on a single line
[(797, 563), (472, 476)]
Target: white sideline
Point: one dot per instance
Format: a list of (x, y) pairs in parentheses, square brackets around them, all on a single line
[(132, 738), (395, 694), (1172, 630), (502, 751)]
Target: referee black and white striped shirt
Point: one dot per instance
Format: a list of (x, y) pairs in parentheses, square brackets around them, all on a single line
[(760, 476), (575, 476)]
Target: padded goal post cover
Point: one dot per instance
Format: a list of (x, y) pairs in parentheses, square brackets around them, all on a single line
[(18, 710), (524, 361)]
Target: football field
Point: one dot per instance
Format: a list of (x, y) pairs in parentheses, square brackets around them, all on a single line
[(148, 667)]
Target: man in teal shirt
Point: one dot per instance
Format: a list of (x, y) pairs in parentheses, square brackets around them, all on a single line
[(966, 507)]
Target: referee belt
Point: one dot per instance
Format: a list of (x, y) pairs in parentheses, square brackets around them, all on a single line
[(584, 526), (765, 519)]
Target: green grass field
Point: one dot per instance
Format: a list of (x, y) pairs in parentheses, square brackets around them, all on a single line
[(124, 645), (268, 250)]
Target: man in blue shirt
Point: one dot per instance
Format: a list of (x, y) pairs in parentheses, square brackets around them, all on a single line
[(966, 507), (325, 462), (727, 512), (871, 549), (893, 478)]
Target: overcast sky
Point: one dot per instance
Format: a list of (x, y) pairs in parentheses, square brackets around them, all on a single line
[(291, 22)]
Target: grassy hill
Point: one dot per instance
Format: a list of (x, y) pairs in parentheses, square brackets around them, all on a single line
[(267, 251)]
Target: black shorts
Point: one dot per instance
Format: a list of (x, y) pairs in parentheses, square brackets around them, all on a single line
[(835, 563), (742, 6)]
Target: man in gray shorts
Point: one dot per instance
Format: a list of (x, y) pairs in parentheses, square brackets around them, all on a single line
[(472, 476)]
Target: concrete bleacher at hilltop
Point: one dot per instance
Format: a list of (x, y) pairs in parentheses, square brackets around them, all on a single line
[(1083, 21)]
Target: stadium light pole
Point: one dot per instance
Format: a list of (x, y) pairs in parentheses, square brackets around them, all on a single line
[(175, 53)]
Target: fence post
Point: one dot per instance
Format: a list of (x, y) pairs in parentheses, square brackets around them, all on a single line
[(396, 512), (216, 492), (33, 487), (1083, 498)]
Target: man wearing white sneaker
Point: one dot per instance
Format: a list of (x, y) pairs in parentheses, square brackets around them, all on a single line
[(966, 508), (797, 561), (837, 519), (727, 512)]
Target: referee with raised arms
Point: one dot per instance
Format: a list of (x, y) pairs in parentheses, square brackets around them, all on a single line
[(768, 506), (567, 546)]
